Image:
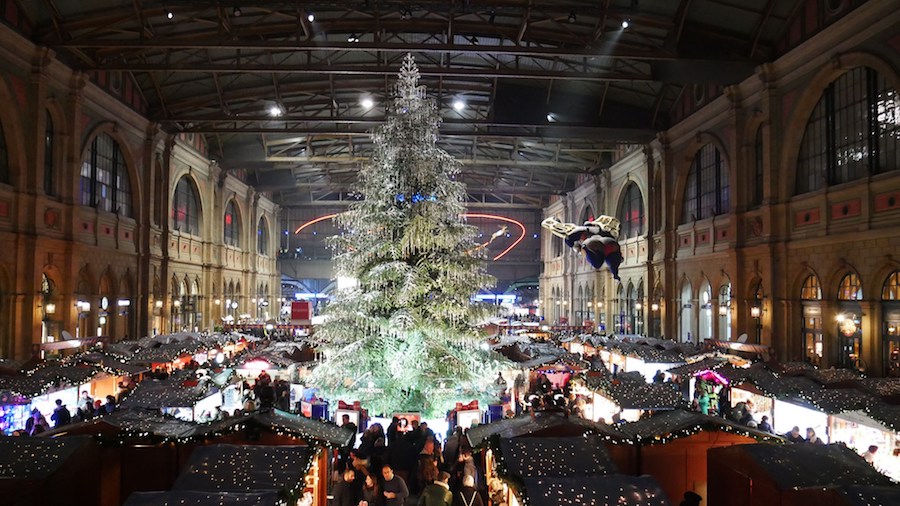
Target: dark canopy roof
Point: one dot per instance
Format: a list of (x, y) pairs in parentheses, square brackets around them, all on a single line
[(243, 468), (196, 498), (807, 465), (32, 457), (616, 489), (534, 457), (667, 425), (547, 423)]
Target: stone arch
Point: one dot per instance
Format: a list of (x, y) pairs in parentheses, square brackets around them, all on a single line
[(795, 126), (131, 163), (11, 120), (832, 284), (84, 284), (683, 169), (189, 175)]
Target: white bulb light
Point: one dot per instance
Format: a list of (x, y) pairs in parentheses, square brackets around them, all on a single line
[(625, 24), (459, 105), (311, 17), (275, 111), (367, 103)]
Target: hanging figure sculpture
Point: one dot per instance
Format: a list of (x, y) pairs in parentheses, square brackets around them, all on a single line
[(598, 239)]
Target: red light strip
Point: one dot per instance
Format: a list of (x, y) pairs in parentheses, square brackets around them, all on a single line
[(314, 221), (464, 215), (501, 218)]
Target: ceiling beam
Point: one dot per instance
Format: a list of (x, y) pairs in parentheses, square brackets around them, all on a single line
[(369, 70)]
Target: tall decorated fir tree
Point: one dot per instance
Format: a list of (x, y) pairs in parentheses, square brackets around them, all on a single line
[(405, 337)]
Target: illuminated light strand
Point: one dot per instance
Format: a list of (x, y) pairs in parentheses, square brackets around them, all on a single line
[(464, 215)]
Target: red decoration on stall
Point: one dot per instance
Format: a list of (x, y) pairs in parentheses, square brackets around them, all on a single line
[(465, 407)]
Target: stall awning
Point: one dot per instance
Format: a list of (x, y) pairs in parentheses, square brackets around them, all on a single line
[(196, 498), (668, 425), (534, 457), (586, 491), (546, 422), (245, 468), (36, 457)]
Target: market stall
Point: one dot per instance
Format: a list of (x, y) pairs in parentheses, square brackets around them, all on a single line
[(672, 447), (787, 475)]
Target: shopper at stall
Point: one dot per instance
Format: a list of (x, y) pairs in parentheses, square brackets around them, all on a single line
[(811, 437), (869, 455), (794, 435), (764, 425), (395, 491), (61, 415)]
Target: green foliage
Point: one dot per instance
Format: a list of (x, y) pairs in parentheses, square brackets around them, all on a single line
[(405, 339)]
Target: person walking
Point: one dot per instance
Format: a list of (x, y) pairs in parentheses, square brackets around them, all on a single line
[(467, 495), (438, 492), (394, 488)]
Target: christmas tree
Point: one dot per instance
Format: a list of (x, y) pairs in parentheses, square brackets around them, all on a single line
[(405, 337)]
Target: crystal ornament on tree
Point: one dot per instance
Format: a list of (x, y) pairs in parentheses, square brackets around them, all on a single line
[(405, 337)]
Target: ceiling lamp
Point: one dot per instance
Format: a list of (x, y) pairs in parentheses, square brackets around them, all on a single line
[(311, 17), (236, 12), (275, 111), (352, 38), (625, 24), (459, 105), (367, 103), (169, 14), (572, 17)]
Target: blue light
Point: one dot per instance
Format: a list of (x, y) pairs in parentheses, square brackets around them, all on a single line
[(535, 236)]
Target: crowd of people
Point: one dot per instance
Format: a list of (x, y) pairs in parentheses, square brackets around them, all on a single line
[(87, 408), (406, 461)]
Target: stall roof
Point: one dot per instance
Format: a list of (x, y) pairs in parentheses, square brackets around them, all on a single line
[(882, 387), (615, 489), (198, 498), (806, 465), (315, 430), (35, 457), (534, 457), (887, 414), (150, 421), (667, 425), (44, 378), (542, 421), (114, 363), (860, 495), (163, 394), (642, 395), (832, 401), (831, 376), (245, 468), (695, 367)]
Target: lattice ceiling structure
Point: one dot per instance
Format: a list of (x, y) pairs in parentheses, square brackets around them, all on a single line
[(551, 88)]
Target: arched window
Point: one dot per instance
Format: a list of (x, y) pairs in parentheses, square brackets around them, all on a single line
[(232, 235), (104, 177), (631, 214), (556, 245), (890, 308), (707, 192), (891, 288), (262, 237), (851, 133), (850, 288), (4, 157), (758, 168), (49, 183), (811, 289), (186, 207)]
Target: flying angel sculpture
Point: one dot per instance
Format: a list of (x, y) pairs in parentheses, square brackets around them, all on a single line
[(597, 239)]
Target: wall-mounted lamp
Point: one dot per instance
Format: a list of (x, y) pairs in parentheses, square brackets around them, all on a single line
[(654, 307), (49, 308), (176, 303), (217, 302), (638, 306), (158, 303), (723, 310), (755, 311)]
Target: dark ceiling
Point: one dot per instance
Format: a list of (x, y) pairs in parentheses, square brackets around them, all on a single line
[(551, 89)]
